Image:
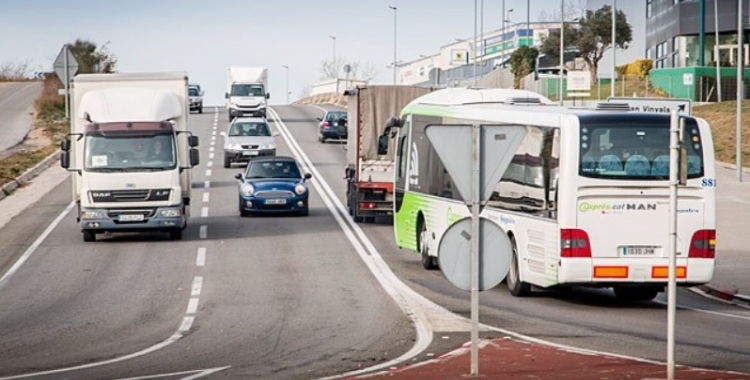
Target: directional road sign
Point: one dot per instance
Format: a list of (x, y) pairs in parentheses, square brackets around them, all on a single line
[(656, 105)]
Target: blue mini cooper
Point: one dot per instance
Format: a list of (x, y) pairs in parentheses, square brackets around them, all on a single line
[(271, 185)]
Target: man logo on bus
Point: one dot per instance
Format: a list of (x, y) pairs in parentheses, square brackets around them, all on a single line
[(606, 207), (414, 165)]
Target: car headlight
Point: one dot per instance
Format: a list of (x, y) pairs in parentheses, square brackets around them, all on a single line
[(170, 213), (300, 189), (92, 214), (268, 146), (247, 189)]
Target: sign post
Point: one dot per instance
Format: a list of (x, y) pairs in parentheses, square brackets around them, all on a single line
[(66, 66), (476, 157)]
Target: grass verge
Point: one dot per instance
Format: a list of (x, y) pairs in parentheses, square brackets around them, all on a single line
[(723, 119)]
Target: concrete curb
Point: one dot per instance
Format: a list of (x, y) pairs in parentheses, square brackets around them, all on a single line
[(726, 295), (28, 175)]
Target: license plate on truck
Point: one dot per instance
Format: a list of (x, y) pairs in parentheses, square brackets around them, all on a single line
[(130, 218), (638, 251)]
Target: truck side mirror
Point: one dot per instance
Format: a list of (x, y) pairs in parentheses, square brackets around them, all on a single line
[(65, 145), (383, 144), (226, 95), (65, 159), (268, 95), (194, 157), (193, 141)]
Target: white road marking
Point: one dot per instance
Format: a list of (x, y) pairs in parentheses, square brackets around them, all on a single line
[(211, 149), (210, 163), (201, 259), (206, 196), (204, 212), (213, 138), (213, 143), (211, 155), (192, 307), (17, 265), (203, 232), (208, 172), (196, 374), (206, 184), (213, 133), (187, 323)]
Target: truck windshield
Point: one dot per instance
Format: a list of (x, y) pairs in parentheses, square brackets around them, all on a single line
[(132, 153), (635, 151), (247, 90)]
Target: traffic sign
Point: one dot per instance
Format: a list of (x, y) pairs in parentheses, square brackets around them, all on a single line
[(498, 144), (454, 254), (656, 105), (61, 66)]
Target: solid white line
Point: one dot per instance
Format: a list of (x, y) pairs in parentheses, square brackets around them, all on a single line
[(21, 260), (201, 259), (404, 296), (208, 172), (192, 307), (196, 374), (203, 232), (207, 184), (210, 163), (204, 212), (206, 196), (195, 290)]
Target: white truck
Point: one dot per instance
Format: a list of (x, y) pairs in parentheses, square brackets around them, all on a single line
[(369, 174), (246, 91), (131, 153)]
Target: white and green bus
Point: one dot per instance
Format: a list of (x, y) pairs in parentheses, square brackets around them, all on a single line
[(585, 200)]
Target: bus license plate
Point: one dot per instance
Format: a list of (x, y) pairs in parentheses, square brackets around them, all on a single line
[(276, 201), (638, 251), (130, 218)]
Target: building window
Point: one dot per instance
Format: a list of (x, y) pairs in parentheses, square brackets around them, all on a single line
[(648, 53), (648, 8)]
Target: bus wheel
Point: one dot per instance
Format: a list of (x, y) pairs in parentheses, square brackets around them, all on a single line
[(428, 262), (631, 294), (517, 287)]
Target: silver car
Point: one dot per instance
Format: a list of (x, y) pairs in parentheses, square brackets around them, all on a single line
[(248, 137)]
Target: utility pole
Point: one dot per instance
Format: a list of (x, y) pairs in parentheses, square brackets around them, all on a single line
[(395, 31), (562, 49), (614, 49), (287, 82)]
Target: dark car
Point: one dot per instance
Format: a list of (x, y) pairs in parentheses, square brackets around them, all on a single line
[(333, 125), (273, 185)]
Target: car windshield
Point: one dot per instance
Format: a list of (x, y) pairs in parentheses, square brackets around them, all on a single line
[(273, 169), (241, 128), (247, 90), (192, 91)]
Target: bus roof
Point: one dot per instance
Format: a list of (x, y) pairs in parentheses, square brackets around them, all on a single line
[(495, 105)]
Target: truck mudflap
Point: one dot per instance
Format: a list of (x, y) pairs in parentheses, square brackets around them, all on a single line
[(142, 219), (368, 200)]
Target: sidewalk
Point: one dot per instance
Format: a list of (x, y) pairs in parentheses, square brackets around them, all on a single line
[(511, 359)]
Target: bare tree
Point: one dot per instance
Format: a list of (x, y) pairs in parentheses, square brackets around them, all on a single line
[(573, 10), (330, 69), (14, 71)]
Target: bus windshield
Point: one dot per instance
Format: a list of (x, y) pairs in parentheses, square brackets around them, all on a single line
[(634, 151)]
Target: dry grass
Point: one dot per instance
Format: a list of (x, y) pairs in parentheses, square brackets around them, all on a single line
[(723, 119), (49, 117)]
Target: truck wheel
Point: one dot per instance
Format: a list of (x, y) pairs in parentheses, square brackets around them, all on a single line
[(175, 234), (89, 235), (227, 162), (428, 262), (516, 287), (200, 108)]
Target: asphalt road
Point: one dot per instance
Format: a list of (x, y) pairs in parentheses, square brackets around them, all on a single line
[(285, 297), (16, 107)]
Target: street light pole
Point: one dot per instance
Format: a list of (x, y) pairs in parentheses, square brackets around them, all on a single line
[(395, 31), (562, 50), (334, 67), (614, 49), (287, 82)]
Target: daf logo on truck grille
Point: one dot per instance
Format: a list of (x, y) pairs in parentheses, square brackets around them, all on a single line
[(130, 185)]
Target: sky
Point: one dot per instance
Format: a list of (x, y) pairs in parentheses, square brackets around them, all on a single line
[(204, 38)]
